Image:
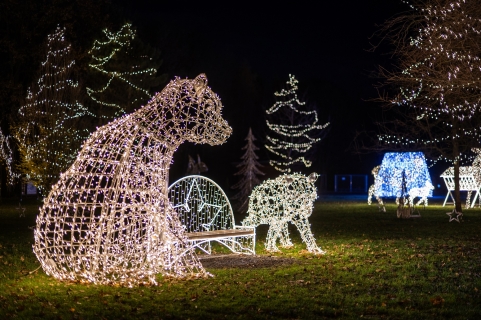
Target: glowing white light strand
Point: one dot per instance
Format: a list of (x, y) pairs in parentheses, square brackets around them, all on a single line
[(404, 175), (116, 43), (288, 198), (46, 128), (6, 155), (476, 165), (443, 85), (108, 220), (296, 132)]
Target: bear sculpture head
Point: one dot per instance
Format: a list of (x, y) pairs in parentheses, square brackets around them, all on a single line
[(186, 110)]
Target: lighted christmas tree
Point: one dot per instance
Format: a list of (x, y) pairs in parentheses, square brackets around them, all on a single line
[(293, 129), (46, 127), (438, 101), (6, 157), (123, 72), (249, 170)]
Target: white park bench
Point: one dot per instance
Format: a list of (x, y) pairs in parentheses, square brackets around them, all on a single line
[(206, 213), (467, 182)]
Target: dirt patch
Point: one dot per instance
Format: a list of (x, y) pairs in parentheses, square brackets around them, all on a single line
[(244, 261)]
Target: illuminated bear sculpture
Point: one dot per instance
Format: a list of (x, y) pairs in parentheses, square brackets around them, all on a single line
[(288, 198), (108, 219)]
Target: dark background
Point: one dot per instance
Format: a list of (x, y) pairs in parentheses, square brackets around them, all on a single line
[(248, 52)]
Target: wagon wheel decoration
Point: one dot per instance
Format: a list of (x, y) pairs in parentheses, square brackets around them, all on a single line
[(201, 204)]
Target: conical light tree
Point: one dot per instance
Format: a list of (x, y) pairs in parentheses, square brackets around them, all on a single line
[(122, 72), (437, 82), (6, 157), (46, 128), (249, 170), (293, 129)]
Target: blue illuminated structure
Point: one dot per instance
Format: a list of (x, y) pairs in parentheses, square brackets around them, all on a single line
[(400, 172)]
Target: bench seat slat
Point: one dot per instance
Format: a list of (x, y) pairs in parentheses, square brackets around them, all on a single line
[(215, 234)]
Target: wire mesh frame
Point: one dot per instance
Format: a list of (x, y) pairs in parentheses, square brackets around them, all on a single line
[(108, 219), (203, 206), (276, 202)]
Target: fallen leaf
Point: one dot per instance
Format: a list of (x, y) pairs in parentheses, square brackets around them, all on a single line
[(436, 301)]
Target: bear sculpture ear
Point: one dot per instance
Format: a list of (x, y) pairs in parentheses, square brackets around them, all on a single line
[(200, 83), (312, 177)]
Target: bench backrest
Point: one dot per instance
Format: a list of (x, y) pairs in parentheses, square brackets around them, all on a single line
[(468, 178), (201, 204)]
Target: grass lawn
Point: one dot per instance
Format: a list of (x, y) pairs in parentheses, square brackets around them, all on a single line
[(375, 266)]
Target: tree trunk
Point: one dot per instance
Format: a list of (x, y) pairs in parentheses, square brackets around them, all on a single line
[(457, 194)]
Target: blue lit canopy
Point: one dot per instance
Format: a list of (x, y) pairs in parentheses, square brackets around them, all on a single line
[(400, 172)]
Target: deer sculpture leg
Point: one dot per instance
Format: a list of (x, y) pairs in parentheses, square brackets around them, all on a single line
[(304, 229), (284, 236)]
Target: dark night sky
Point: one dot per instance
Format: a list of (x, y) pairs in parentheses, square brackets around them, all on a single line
[(324, 45)]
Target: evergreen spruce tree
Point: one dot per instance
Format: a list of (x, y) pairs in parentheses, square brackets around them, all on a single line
[(248, 169), (46, 127), (293, 129), (123, 71)]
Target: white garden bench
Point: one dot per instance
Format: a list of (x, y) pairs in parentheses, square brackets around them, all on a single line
[(206, 213)]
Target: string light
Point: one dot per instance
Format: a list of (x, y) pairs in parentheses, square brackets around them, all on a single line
[(46, 130), (439, 81), (403, 173), (104, 55), (296, 133), (6, 155), (108, 220), (288, 198)]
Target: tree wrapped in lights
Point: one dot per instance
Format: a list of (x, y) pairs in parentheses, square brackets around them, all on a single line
[(438, 80), (6, 156), (123, 71), (46, 127), (249, 169), (276, 202), (293, 132), (108, 220)]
